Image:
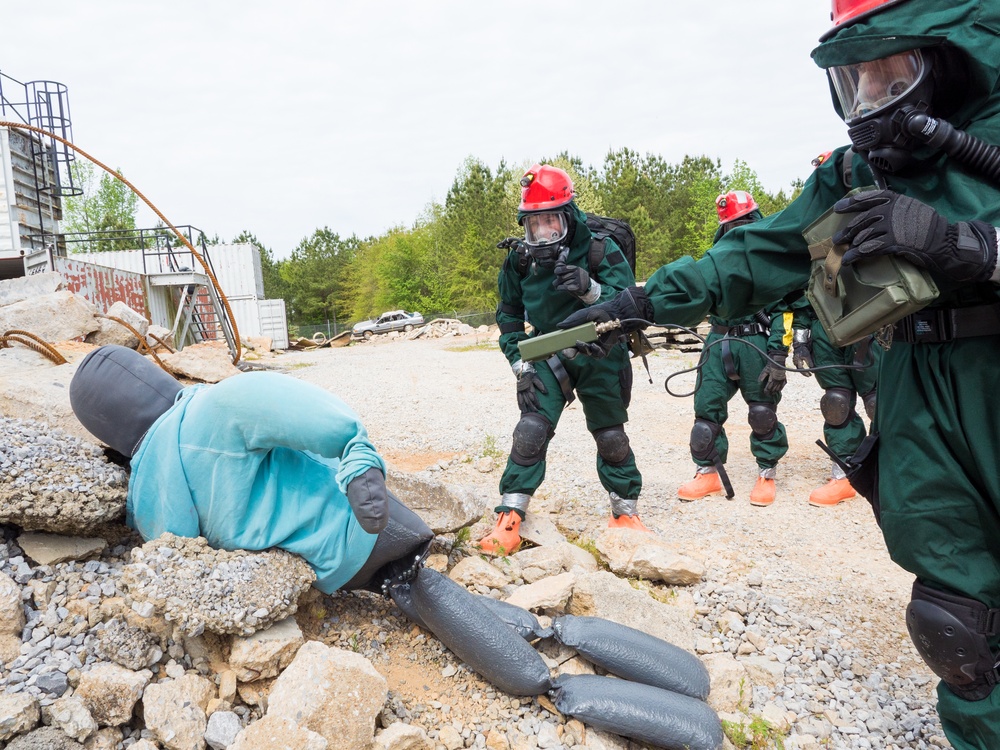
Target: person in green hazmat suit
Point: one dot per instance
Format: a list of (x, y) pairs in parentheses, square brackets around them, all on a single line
[(543, 281), (730, 363), (918, 84), (847, 374)]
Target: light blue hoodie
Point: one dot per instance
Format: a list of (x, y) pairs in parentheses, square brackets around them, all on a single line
[(258, 460)]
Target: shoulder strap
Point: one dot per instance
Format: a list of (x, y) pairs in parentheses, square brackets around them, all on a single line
[(595, 255), (847, 167)]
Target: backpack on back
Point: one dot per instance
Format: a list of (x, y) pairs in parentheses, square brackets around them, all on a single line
[(603, 227)]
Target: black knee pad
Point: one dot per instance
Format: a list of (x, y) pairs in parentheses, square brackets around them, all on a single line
[(613, 445), (405, 540), (531, 439), (836, 406), (951, 633), (869, 400), (763, 418), (703, 435)]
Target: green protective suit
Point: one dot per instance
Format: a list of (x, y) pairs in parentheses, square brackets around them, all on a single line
[(604, 386), (939, 422), (737, 356), (735, 365), (843, 439)]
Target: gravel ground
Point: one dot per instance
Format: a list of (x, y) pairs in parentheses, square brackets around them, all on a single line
[(814, 588)]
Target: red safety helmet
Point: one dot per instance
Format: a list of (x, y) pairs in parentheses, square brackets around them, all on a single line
[(846, 12), (544, 187), (821, 159), (733, 205)]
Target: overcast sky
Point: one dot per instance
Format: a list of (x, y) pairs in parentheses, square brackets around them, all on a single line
[(281, 117)]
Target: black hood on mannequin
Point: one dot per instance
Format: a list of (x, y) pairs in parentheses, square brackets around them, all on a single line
[(117, 394)]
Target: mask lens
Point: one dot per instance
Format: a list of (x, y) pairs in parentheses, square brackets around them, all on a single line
[(545, 227), (870, 87)]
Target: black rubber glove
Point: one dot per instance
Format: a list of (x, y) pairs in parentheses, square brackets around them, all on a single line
[(527, 383), (632, 307), (891, 224), (572, 279), (773, 376), (369, 500), (802, 353)]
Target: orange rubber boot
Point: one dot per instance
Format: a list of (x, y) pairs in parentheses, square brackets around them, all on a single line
[(832, 493), (627, 522), (505, 539), (703, 485), (763, 492)]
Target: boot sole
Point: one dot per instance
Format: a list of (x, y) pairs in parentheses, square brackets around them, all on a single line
[(831, 505), (699, 497)]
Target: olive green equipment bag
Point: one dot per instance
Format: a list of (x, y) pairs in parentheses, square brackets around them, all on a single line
[(854, 301)]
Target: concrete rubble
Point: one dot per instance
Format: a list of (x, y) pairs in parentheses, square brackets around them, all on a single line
[(173, 644)]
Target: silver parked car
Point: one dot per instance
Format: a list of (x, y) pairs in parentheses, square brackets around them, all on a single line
[(394, 320)]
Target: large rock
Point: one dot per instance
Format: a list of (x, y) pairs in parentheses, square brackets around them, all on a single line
[(637, 554), (278, 733), (44, 738), (209, 362), (445, 508), (50, 549), (266, 652), (27, 287), (112, 332), (175, 711), (11, 611), (18, 713), (52, 317), (332, 692), (110, 692), (400, 736), (541, 562), (34, 388), (70, 714), (200, 588), (603, 594)]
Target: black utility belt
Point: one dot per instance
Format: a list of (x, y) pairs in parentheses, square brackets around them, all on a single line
[(934, 325), (748, 329)]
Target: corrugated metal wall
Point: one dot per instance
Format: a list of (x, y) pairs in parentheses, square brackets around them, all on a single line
[(104, 286), (238, 270), (237, 267)]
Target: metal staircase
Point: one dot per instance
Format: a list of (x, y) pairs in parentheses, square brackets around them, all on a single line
[(200, 313)]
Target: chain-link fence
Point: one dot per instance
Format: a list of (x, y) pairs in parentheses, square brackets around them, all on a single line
[(333, 328)]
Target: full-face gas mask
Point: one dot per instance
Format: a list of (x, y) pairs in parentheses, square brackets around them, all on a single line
[(875, 99), (544, 234)]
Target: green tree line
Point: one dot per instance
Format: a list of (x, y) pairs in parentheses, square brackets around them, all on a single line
[(448, 260)]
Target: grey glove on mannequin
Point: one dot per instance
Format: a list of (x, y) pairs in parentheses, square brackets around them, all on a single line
[(369, 500)]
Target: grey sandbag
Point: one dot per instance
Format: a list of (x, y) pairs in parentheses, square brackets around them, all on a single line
[(634, 655), (640, 712), (521, 620), (477, 636), (403, 598)]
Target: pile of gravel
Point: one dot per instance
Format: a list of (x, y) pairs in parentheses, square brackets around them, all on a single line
[(52, 481), (200, 588)]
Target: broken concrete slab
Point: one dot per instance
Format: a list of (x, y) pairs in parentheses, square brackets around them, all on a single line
[(26, 287), (112, 332), (208, 362), (53, 317), (49, 549)]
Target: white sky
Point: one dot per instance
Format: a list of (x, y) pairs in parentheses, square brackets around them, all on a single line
[(284, 117)]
